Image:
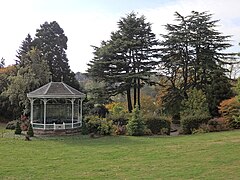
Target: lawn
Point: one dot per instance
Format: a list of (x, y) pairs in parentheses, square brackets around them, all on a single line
[(202, 156)]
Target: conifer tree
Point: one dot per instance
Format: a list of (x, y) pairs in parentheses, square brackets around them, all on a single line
[(128, 59), (192, 51), (52, 42), (136, 125), (18, 129), (30, 131)]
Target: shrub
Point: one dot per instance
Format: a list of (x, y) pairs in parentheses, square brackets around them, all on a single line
[(195, 105), (236, 122), (218, 124), (119, 129), (158, 125), (98, 125), (229, 109), (11, 125), (119, 119), (203, 128), (189, 123), (136, 125), (30, 131), (99, 110), (147, 132), (24, 123), (18, 129)]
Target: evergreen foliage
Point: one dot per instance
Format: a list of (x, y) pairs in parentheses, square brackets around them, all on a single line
[(25, 47), (191, 51), (136, 125), (127, 60), (218, 90), (18, 129), (157, 125), (191, 123), (52, 42), (195, 105), (30, 130)]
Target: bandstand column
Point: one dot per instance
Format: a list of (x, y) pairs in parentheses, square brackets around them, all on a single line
[(81, 111), (44, 112), (31, 101), (72, 110)]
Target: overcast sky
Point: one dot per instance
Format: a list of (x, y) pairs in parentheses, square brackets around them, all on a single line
[(88, 22)]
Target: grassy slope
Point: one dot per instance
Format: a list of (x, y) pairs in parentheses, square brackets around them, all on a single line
[(204, 156)]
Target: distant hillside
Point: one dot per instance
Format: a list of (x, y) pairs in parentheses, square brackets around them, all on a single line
[(81, 77)]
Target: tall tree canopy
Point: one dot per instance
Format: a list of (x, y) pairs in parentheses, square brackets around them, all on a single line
[(128, 59), (52, 42), (192, 52)]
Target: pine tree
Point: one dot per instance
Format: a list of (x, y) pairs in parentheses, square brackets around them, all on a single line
[(25, 47)]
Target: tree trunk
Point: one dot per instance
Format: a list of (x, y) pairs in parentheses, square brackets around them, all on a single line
[(135, 93), (138, 93), (129, 101)]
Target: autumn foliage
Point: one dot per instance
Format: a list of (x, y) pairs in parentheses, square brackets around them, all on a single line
[(229, 109)]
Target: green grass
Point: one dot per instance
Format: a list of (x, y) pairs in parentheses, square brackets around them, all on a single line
[(202, 156)]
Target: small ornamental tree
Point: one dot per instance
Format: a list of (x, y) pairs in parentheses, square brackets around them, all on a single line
[(136, 124), (30, 130), (195, 105), (18, 129)]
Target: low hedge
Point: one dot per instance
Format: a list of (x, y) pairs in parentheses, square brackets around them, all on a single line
[(191, 123), (158, 125)]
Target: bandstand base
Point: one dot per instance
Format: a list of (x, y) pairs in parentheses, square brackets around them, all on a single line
[(56, 132)]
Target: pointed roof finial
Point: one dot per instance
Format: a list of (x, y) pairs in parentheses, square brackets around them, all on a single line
[(62, 78)]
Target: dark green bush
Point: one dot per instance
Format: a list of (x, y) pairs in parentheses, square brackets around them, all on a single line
[(30, 131), (119, 119), (158, 125), (191, 123), (18, 129), (96, 125)]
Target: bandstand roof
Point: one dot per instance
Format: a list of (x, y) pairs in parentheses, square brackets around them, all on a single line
[(56, 90)]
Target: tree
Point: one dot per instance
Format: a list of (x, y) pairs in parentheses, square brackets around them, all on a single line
[(136, 124), (128, 59), (18, 129), (52, 43), (27, 79), (25, 47), (218, 90), (7, 110), (191, 53), (195, 105), (30, 130)]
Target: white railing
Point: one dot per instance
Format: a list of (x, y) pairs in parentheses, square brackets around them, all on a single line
[(57, 126)]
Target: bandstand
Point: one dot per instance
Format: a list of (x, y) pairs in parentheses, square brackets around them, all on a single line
[(56, 108)]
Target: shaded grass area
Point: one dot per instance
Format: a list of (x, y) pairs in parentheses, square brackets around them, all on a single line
[(203, 156)]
